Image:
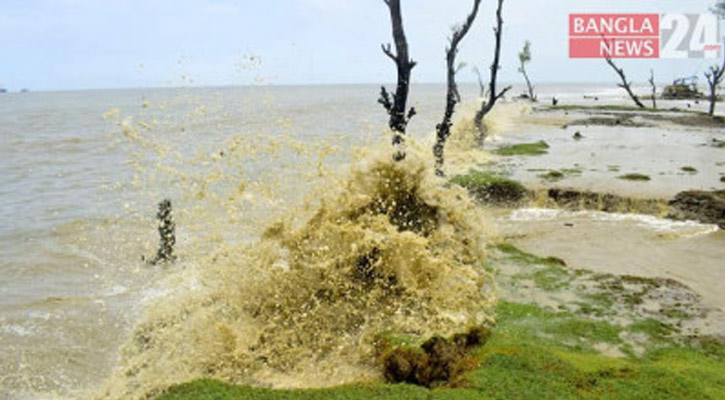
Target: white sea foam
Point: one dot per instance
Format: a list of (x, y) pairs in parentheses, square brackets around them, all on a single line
[(660, 225)]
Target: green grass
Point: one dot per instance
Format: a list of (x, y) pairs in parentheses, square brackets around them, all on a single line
[(688, 169), (533, 354), (524, 149), (543, 353), (491, 187), (635, 177)]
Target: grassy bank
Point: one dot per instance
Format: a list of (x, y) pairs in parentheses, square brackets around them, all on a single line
[(596, 338)]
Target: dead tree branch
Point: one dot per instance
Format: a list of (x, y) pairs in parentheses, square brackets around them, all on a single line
[(625, 85), (714, 77), (654, 88), (396, 105), (493, 95), (443, 130)]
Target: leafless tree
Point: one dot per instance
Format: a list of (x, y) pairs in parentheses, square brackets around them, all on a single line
[(443, 130), (714, 77), (654, 88), (493, 95), (396, 105), (525, 58), (625, 84)]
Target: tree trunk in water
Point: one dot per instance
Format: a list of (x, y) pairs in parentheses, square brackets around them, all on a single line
[(167, 233), (397, 106), (528, 83), (493, 96), (443, 130)]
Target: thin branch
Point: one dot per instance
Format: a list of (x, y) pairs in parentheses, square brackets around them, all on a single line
[(625, 85), (654, 88)]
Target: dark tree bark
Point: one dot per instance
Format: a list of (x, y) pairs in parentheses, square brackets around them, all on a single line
[(167, 233), (493, 95), (396, 106), (714, 78), (625, 85), (654, 88), (443, 130)]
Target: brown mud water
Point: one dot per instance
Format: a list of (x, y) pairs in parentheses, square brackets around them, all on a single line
[(391, 251)]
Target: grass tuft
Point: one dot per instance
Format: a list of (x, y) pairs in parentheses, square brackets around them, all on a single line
[(635, 177), (524, 149)]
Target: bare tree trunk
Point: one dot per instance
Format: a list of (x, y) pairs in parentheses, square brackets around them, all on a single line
[(493, 96), (532, 96), (396, 107), (654, 88), (714, 79), (443, 130), (167, 233), (625, 85)]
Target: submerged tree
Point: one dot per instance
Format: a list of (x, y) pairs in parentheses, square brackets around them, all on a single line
[(443, 130), (525, 58), (625, 84), (493, 95), (396, 105)]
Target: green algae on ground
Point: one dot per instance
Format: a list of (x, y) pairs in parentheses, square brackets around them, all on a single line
[(635, 177), (524, 149), (527, 358), (490, 187), (552, 352)]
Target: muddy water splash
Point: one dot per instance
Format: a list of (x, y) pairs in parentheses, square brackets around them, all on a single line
[(387, 250)]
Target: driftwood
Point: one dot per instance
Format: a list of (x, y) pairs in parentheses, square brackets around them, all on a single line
[(714, 78), (625, 84), (443, 129), (654, 88), (167, 233), (396, 105), (493, 95)]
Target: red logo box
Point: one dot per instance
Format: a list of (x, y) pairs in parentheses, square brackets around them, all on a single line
[(614, 35)]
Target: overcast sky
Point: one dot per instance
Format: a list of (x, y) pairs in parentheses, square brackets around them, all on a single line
[(76, 44)]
